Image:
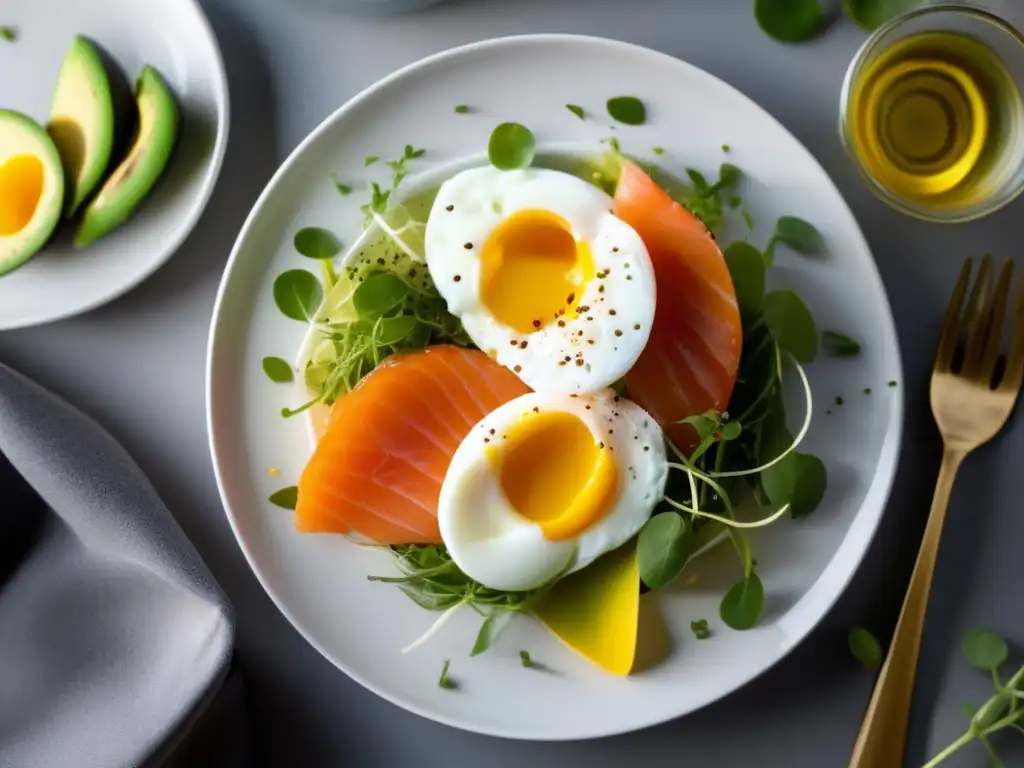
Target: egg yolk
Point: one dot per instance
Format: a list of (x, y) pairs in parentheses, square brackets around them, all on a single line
[(533, 270), (555, 474), (21, 187)]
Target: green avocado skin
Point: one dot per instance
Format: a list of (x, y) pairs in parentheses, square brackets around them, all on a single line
[(37, 233), (134, 178)]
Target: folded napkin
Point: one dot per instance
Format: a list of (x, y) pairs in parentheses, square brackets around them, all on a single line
[(115, 641)]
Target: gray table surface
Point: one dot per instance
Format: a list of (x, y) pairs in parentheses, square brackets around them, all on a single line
[(138, 366)]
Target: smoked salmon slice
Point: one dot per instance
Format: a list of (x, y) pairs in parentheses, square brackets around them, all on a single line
[(378, 468), (690, 362)]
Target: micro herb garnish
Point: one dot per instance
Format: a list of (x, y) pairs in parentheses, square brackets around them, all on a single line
[(658, 150), (706, 200), (297, 294), (789, 21), (865, 648), (627, 109), (316, 243), (286, 498), (750, 442), (893, 384), (278, 370), (524, 659), (461, 109), (987, 652), (444, 681), (577, 110), (10, 34), (840, 344), (370, 160), (512, 146), (700, 629), (343, 189), (796, 233)]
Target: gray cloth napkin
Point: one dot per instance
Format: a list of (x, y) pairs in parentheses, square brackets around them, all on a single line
[(114, 637)]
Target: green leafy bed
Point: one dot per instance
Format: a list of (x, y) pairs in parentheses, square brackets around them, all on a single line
[(383, 301)]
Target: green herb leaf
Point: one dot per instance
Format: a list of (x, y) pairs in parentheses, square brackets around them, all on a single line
[(10, 34), (799, 480), (865, 648), (278, 370), (461, 109), (746, 267), (524, 658), (699, 181), (627, 109), (658, 150), (798, 234), (730, 430), (343, 189), (662, 549), (577, 110), (704, 423), (742, 605), (790, 21), (791, 324), (700, 629), (984, 650), (512, 146), (871, 14), (316, 243), (391, 330), (286, 498), (728, 175), (840, 344), (490, 630), (443, 681), (411, 153), (370, 160), (378, 294), (297, 294)]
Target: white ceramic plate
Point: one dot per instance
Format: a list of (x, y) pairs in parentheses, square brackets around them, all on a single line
[(175, 37), (319, 582)]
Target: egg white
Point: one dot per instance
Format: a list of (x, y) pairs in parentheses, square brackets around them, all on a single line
[(494, 544), (608, 337)]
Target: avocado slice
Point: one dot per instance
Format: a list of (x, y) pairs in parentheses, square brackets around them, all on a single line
[(31, 189), (155, 136), (90, 109)]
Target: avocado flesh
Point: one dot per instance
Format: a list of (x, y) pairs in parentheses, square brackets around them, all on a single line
[(84, 119), (31, 189), (132, 180)]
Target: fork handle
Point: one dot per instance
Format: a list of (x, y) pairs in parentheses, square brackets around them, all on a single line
[(883, 733)]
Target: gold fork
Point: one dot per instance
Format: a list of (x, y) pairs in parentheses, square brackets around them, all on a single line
[(972, 397)]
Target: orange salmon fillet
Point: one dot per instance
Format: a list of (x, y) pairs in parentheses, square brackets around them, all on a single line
[(378, 469), (690, 362)]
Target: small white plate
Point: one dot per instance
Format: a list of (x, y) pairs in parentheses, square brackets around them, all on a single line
[(319, 581), (175, 37)]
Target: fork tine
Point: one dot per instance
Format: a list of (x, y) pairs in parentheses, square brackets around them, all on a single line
[(976, 317), (1014, 372), (987, 363), (951, 324)]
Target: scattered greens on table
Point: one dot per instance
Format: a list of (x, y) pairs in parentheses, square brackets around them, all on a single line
[(865, 648), (796, 21)]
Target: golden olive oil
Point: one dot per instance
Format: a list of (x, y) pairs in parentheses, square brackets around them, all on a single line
[(937, 120)]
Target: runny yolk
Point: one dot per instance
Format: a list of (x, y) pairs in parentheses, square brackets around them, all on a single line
[(555, 474), (533, 270), (21, 186)]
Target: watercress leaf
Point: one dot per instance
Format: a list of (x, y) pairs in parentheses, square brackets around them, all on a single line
[(511, 146), (627, 109), (865, 648), (316, 243), (983, 649), (871, 14), (286, 498), (742, 605), (297, 294), (490, 630), (704, 423), (798, 234), (698, 180), (791, 324), (392, 330), (746, 266), (790, 21), (809, 484), (661, 549), (730, 430), (577, 110), (278, 370), (840, 344), (378, 294), (728, 175)]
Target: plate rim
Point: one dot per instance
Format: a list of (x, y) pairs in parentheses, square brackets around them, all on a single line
[(884, 476), (222, 97)]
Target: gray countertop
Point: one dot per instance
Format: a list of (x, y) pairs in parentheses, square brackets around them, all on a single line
[(138, 366)]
